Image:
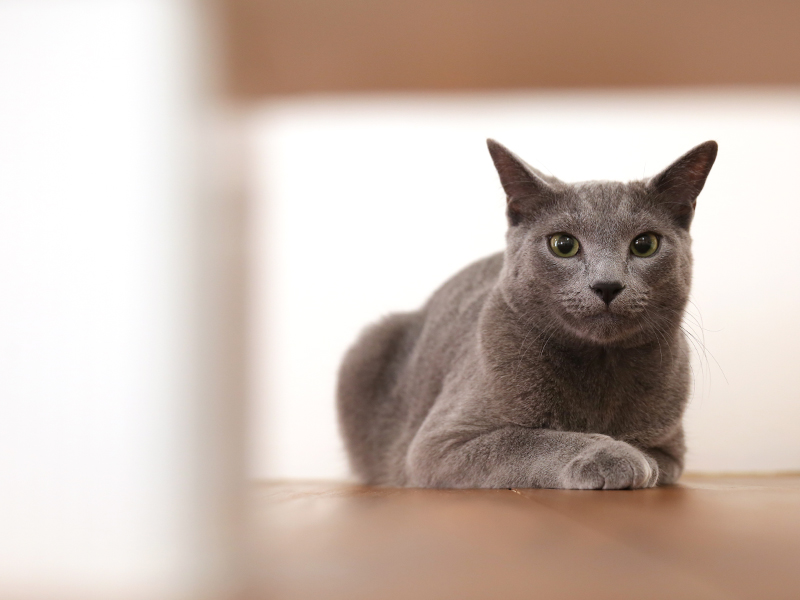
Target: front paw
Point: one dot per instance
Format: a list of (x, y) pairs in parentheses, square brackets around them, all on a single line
[(609, 464)]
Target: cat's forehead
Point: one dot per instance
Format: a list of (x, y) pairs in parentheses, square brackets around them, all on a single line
[(600, 196), (606, 207)]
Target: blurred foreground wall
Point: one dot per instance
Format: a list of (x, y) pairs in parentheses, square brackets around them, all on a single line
[(115, 464)]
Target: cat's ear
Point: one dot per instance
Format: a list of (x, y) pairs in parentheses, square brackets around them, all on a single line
[(678, 186), (525, 187)]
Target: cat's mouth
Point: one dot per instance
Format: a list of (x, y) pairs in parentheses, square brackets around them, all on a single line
[(605, 326), (607, 316)]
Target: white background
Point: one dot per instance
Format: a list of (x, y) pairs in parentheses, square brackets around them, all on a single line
[(364, 205)]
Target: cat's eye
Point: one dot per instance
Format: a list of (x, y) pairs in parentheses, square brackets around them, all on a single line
[(564, 245), (644, 245)]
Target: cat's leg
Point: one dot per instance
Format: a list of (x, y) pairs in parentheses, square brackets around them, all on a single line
[(669, 457), (514, 456)]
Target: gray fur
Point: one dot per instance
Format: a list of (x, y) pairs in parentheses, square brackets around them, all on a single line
[(516, 373)]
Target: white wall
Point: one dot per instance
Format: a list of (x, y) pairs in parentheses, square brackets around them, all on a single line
[(101, 493), (364, 205)]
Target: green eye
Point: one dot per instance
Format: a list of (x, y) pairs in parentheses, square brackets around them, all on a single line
[(564, 245), (644, 245)]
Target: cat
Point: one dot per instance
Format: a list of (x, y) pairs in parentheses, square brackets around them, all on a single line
[(559, 363)]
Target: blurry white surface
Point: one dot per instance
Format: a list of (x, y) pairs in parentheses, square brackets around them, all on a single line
[(99, 394), (363, 206)]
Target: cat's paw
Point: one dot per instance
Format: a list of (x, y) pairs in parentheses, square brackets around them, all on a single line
[(609, 464)]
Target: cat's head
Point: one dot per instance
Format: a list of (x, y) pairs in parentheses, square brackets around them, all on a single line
[(601, 262)]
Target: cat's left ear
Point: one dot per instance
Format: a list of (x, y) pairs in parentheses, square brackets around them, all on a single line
[(678, 186)]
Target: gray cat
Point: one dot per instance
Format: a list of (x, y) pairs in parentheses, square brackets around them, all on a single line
[(559, 363)]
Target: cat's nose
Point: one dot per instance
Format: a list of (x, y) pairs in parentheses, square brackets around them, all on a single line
[(607, 290)]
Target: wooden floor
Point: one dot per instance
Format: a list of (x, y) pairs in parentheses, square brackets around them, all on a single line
[(709, 537)]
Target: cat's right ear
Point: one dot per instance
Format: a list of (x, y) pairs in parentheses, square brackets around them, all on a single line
[(523, 186)]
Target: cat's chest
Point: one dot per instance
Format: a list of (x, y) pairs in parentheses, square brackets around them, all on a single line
[(603, 394)]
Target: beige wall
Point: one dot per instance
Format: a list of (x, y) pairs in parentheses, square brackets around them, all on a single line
[(303, 46)]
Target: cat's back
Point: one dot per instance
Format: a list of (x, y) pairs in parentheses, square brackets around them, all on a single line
[(394, 367), (452, 313), (469, 285)]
